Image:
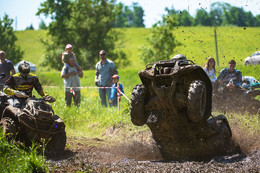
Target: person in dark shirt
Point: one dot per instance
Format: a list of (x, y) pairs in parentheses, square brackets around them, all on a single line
[(6, 67), (230, 77)]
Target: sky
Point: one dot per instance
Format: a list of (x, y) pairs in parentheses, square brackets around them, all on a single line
[(23, 11)]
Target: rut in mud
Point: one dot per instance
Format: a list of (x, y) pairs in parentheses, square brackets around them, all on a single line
[(138, 153)]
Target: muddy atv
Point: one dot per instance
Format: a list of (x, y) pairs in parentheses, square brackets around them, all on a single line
[(35, 121), (237, 100), (175, 100)]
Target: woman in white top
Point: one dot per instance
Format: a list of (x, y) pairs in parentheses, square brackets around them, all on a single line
[(210, 69)]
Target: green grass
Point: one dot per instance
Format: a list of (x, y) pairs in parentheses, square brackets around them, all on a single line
[(197, 43), (29, 41), (92, 120), (15, 159)]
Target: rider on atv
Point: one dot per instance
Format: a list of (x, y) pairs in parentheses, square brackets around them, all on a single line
[(21, 85)]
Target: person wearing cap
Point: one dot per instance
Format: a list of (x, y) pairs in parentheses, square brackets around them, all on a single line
[(230, 77), (114, 92), (6, 66), (71, 83), (67, 55), (105, 69)]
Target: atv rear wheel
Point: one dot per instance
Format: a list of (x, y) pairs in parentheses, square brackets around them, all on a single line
[(225, 136), (57, 144), (197, 101), (9, 127)]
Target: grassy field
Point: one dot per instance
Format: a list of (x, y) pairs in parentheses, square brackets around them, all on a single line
[(92, 120), (197, 43)]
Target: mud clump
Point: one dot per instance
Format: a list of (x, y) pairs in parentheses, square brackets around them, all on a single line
[(237, 100)]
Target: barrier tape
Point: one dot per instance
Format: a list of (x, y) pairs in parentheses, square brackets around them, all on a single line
[(72, 91)]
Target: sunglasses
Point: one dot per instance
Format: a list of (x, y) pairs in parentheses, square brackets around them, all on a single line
[(102, 54)]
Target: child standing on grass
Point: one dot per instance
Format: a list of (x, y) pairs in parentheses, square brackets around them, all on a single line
[(67, 55), (113, 96)]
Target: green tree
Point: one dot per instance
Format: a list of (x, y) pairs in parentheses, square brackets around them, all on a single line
[(42, 25), (257, 22), (126, 16), (202, 18), (138, 20), (120, 17), (87, 25), (217, 13), (250, 19), (59, 11), (29, 27), (8, 39), (161, 41), (183, 18)]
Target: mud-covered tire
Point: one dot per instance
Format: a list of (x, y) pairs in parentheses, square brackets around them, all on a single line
[(57, 144), (137, 110), (222, 131), (9, 127), (226, 137), (197, 101)]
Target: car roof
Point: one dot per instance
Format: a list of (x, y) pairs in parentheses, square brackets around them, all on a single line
[(257, 53)]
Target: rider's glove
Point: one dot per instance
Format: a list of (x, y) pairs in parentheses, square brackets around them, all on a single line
[(20, 94), (50, 99)]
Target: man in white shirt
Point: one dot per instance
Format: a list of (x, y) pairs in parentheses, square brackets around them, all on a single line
[(71, 79)]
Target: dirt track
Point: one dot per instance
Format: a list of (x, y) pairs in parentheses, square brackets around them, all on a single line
[(139, 153)]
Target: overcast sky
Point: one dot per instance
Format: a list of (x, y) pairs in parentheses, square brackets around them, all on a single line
[(23, 11)]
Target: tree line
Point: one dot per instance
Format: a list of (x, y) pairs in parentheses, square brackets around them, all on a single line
[(221, 14)]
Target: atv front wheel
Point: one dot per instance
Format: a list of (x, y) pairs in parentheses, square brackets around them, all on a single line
[(197, 101), (57, 144), (137, 105)]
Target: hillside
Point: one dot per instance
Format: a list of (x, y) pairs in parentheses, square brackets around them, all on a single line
[(197, 43)]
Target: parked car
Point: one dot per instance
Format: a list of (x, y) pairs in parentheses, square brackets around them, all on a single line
[(253, 59), (32, 67)]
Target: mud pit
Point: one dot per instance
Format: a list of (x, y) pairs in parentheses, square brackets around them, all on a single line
[(139, 153)]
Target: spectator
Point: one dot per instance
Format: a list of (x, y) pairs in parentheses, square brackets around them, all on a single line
[(105, 69), (6, 67), (113, 96), (230, 77), (71, 79), (210, 69), (67, 55)]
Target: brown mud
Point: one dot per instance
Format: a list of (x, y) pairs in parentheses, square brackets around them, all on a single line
[(138, 152)]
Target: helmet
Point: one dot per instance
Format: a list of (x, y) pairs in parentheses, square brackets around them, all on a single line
[(24, 68), (179, 57), (115, 76)]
